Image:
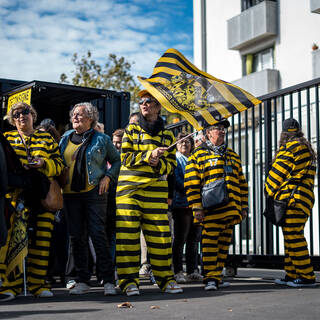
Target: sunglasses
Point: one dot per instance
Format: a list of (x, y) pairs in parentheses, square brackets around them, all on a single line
[(146, 100), (24, 112)]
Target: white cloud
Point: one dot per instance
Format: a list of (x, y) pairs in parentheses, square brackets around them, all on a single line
[(38, 38)]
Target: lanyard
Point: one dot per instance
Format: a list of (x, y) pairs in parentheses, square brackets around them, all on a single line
[(27, 148)]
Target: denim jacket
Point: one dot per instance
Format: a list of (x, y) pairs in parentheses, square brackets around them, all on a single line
[(180, 198), (100, 151)]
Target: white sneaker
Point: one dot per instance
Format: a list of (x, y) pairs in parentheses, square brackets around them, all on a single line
[(144, 270), (6, 296), (180, 278), (70, 284), (172, 287), (109, 289), (211, 285), (45, 294), (195, 276), (132, 290), (80, 288)]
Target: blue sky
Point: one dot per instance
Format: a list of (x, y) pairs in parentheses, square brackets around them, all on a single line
[(39, 37)]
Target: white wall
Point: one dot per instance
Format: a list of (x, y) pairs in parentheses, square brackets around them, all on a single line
[(221, 63), (299, 28)]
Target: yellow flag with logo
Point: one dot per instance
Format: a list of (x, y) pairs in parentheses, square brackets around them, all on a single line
[(200, 98)]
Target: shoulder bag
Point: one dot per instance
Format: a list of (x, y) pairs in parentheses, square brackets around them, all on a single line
[(215, 193), (275, 211)]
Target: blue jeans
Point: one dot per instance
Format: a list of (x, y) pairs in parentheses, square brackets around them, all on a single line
[(86, 216)]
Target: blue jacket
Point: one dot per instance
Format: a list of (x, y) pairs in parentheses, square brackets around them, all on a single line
[(100, 151), (179, 198)]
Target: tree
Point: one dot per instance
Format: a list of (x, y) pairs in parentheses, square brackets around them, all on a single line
[(114, 75)]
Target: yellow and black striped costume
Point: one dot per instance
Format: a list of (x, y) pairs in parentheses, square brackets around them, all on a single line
[(205, 166), (142, 195), (40, 144), (293, 162)]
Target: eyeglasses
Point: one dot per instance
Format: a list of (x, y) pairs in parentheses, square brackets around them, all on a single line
[(24, 112), (184, 142), (146, 100)]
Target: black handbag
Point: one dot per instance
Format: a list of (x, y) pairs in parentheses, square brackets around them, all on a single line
[(275, 211), (215, 194)]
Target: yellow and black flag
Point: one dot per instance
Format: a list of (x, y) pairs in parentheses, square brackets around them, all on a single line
[(201, 98)]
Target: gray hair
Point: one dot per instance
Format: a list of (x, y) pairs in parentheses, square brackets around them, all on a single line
[(91, 111)]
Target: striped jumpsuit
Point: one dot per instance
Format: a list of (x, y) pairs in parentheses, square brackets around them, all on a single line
[(142, 195), (40, 144), (293, 162), (205, 166)]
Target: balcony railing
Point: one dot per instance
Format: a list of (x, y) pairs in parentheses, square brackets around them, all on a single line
[(252, 25)]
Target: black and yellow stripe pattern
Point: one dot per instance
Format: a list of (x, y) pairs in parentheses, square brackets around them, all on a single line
[(201, 98), (205, 166), (40, 144), (142, 194), (294, 166)]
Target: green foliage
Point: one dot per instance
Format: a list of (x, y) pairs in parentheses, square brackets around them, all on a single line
[(114, 75)]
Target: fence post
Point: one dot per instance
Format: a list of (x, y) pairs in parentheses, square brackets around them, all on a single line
[(268, 161)]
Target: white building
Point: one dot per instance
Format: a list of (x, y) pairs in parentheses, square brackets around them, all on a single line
[(263, 46), (259, 45)]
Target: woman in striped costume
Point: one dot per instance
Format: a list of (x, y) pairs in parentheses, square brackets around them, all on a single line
[(142, 195), (35, 150), (294, 165), (209, 162)]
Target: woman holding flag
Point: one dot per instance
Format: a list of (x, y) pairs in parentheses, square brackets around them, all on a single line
[(142, 195)]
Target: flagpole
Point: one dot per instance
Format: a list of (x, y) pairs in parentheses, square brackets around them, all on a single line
[(186, 137)]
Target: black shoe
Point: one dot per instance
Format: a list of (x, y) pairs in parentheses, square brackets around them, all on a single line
[(300, 282), (284, 280)]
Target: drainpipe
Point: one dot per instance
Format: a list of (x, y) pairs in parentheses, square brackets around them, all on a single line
[(203, 35)]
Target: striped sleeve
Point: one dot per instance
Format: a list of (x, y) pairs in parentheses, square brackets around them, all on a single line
[(192, 182), (129, 157), (168, 162), (280, 170), (243, 189)]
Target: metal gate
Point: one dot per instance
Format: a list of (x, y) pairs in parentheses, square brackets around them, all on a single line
[(254, 135)]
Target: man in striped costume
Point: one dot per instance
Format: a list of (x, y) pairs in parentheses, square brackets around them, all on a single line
[(142, 195), (213, 160), (294, 165)]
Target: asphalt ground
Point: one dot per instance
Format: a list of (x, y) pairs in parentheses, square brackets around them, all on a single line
[(252, 295)]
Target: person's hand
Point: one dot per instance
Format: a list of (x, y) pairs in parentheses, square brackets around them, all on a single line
[(104, 185), (158, 152), (169, 202), (153, 161), (199, 215), (36, 163), (244, 214)]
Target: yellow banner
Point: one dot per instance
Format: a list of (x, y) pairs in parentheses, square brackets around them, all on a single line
[(22, 96)]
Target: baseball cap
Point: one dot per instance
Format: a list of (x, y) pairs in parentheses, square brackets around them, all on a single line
[(290, 125)]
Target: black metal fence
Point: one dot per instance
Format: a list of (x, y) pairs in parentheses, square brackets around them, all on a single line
[(254, 135)]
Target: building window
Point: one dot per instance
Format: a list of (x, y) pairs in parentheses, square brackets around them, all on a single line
[(258, 61), (246, 4)]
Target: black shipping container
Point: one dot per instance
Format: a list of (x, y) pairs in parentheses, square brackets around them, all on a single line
[(54, 100)]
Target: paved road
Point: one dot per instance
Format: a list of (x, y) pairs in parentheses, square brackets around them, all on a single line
[(252, 295)]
